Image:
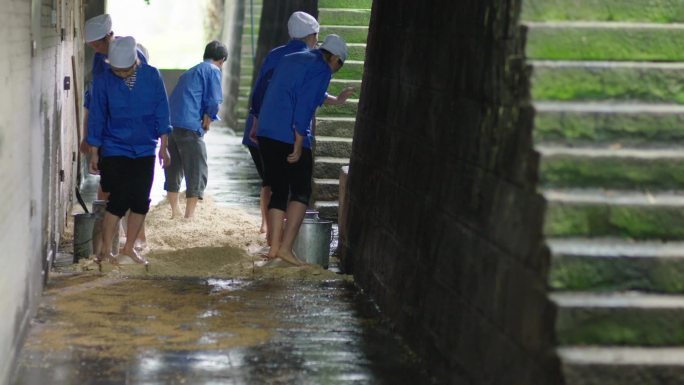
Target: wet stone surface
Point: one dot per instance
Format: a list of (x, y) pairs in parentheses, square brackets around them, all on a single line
[(212, 331)]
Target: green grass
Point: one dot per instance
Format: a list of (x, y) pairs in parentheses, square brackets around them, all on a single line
[(654, 11), (354, 4), (360, 17), (594, 43), (614, 83)]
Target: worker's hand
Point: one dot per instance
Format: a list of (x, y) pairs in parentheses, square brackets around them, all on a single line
[(253, 130), (164, 157), (345, 94), (294, 157), (92, 165), (84, 147), (206, 122)]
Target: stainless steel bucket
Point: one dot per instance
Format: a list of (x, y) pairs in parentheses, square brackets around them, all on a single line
[(83, 235), (99, 209), (312, 244)]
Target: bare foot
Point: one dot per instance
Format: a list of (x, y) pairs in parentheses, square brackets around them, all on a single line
[(139, 245), (105, 257), (289, 257), (133, 254)]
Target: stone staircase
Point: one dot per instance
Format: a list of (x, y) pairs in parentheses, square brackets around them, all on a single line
[(249, 46), (335, 124), (608, 88)]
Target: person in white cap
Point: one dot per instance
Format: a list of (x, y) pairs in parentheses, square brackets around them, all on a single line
[(195, 103), (298, 86), (303, 30), (98, 35), (129, 112)]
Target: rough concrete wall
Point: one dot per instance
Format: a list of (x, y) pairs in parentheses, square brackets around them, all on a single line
[(444, 223), (273, 26), (37, 139)]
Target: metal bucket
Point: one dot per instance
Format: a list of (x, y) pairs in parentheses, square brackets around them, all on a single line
[(83, 235), (312, 244), (99, 209)]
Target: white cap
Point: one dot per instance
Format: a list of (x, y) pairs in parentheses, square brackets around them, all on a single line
[(97, 27), (301, 24), (122, 52), (336, 46)]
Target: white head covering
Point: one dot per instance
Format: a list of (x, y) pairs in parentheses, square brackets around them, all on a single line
[(336, 46), (301, 24), (97, 27), (122, 52)]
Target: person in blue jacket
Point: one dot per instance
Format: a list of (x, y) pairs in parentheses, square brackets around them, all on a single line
[(129, 112), (194, 104), (303, 30), (297, 88), (98, 34)]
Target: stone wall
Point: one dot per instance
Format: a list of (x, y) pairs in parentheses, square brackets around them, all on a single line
[(444, 224), (38, 138)]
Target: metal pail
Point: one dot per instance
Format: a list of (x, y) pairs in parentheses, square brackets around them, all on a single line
[(83, 235), (99, 209), (313, 240)]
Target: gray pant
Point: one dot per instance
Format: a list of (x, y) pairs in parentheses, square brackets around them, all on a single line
[(189, 159)]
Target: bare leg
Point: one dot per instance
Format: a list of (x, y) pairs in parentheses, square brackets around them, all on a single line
[(275, 223), (135, 224), (264, 198), (141, 241), (295, 216), (173, 201), (101, 195), (190, 204), (109, 222)]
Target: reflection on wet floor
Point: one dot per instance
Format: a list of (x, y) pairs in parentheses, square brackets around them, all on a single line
[(213, 332), (175, 325)]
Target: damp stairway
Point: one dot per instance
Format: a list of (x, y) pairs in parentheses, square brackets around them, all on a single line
[(335, 124), (608, 88)]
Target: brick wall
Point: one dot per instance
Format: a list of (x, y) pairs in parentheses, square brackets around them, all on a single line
[(444, 224), (38, 134)]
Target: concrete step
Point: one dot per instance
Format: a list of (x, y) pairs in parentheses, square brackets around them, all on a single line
[(347, 109), (336, 16), (612, 168), (352, 70), (354, 4), (629, 318), (657, 11), (328, 146), (328, 168), (612, 264), (350, 33), (327, 209), (631, 124), (326, 189), (622, 366), (621, 214), (605, 41), (339, 127), (592, 80)]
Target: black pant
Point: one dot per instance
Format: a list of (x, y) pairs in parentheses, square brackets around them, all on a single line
[(130, 182), (287, 180)]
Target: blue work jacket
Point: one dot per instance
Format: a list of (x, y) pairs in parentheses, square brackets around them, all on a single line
[(297, 88), (197, 93), (263, 79), (128, 122)]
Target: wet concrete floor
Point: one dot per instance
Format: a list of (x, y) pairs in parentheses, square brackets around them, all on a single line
[(109, 329), (212, 332)]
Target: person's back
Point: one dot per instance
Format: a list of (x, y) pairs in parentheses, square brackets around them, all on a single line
[(194, 104), (297, 87), (197, 92)]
